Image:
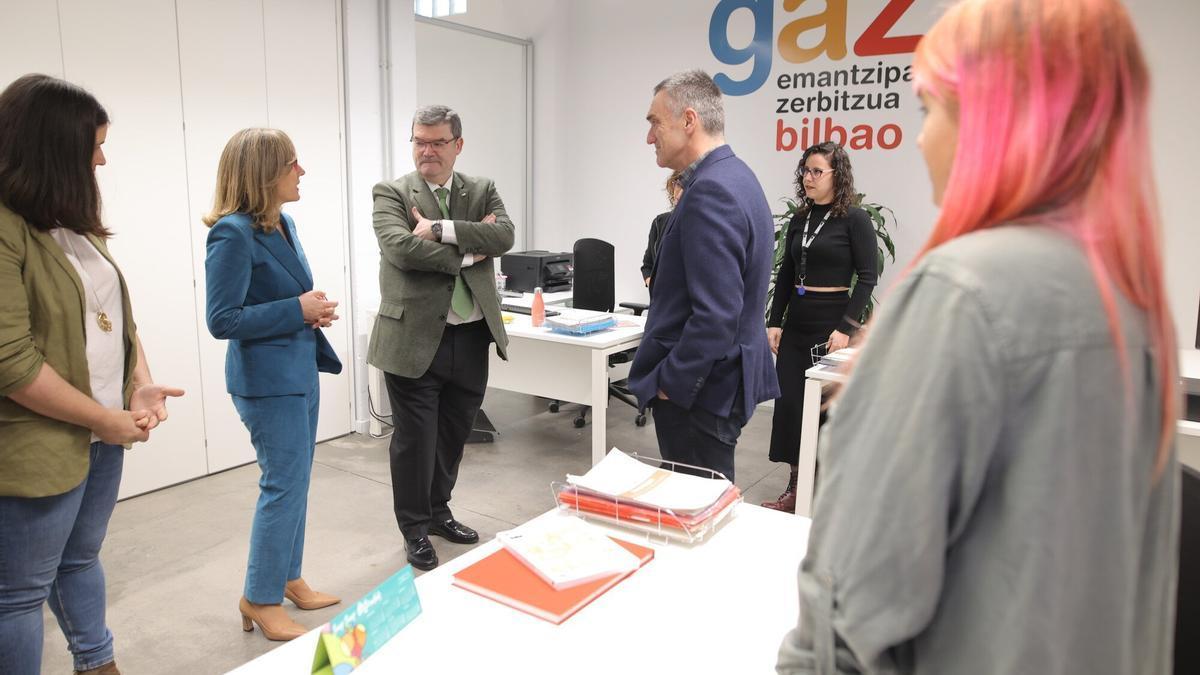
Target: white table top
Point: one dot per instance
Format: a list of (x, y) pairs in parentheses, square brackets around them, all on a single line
[(1189, 369), (629, 328), (718, 607)]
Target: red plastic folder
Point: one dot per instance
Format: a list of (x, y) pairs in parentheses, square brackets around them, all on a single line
[(504, 578), (625, 510)]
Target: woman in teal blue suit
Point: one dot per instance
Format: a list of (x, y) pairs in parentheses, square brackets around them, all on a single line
[(261, 299)]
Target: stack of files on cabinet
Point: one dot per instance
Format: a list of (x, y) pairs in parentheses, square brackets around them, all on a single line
[(627, 491), (553, 566)]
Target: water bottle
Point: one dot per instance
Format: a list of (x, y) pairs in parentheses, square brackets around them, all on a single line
[(538, 313)]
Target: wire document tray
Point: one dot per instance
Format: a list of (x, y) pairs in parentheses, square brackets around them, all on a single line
[(653, 521)]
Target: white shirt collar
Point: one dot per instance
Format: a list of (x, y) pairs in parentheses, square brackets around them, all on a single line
[(433, 187)]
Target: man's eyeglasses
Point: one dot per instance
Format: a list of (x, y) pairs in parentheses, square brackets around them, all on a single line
[(436, 145), (814, 173)]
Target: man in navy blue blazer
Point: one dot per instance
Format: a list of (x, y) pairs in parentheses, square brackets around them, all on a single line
[(704, 362)]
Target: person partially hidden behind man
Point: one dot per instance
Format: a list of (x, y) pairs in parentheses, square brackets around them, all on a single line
[(674, 191), (438, 233), (704, 362)]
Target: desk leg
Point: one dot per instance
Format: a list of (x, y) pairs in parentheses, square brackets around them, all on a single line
[(599, 387), (808, 447)]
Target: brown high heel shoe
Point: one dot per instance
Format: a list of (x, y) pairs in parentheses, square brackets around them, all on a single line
[(302, 596), (271, 619)]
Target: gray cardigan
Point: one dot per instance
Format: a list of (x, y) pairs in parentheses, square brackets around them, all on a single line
[(986, 502)]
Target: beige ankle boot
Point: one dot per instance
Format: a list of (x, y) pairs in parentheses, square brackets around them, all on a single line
[(302, 596)]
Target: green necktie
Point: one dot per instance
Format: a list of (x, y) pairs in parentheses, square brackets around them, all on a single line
[(460, 301)]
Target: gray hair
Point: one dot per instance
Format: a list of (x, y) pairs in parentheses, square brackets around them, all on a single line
[(696, 90), (433, 115)]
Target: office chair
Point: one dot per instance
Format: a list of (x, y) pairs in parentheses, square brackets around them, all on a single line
[(595, 289)]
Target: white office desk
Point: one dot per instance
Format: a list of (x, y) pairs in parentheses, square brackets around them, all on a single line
[(547, 364), (818, 377), (565, 367), (1188, 431), (719, 607)]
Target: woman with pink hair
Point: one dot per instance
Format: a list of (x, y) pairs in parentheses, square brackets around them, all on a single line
[(999, 486)]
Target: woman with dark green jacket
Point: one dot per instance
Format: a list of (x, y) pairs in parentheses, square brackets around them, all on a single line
[(74, 385)]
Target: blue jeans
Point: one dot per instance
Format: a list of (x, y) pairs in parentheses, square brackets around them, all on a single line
[(49, 551), (283, 430), (698, 437)]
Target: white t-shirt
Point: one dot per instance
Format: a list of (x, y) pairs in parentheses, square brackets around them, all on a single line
[(101, 291)]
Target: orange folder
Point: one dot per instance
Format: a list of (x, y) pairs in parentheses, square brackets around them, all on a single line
[(502, 577), (624, 510)]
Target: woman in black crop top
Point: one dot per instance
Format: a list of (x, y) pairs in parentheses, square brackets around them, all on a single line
[(827, 243)]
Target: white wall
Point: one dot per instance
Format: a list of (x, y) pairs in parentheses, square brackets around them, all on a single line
[(178, 78), (483, 79), (596, 62), (595, 67), (1168, 34)]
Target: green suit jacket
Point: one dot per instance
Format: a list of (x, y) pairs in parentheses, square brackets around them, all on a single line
[(416, 276), (42, 319)]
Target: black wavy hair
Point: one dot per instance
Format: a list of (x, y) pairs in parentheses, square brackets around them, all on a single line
[(844, 194), (47, 139)]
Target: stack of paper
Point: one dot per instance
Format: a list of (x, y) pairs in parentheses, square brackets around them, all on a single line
[(623, 489), (581, 325), (510, 580), (566, 551)]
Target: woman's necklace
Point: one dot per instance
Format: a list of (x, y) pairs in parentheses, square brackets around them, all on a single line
[(102, 319)]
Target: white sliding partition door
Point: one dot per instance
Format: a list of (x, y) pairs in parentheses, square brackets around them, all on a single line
[(30, 45), (268, 64), (127, 55), (178, 78), (304, 96), (222, 64)]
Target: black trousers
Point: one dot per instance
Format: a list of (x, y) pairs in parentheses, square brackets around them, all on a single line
[(697, 436), (811, 318), (432, 416)]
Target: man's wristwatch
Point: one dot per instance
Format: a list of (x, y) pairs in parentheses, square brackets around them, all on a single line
[(436, 228)]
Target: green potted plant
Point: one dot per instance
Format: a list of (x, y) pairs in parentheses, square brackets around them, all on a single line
[(885, 247)]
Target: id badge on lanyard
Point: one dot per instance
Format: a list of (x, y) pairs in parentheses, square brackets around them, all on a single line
[(805, 242)]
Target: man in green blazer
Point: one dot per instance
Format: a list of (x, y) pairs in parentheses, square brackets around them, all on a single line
[(438, 233)]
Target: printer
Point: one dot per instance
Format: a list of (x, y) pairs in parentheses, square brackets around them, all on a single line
[(527, 270)]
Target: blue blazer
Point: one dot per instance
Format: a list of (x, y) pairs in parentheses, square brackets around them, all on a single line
[(254, 281), (705, 332)]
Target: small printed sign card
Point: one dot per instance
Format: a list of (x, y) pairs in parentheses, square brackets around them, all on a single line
[(350, 637)]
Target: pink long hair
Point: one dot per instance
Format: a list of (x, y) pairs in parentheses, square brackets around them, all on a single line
[(1052, 116)]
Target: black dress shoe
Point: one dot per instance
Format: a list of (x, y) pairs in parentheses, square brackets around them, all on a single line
[(454, 531), (421, 553)]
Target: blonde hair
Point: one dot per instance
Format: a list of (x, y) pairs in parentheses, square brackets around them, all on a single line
[(251, 165)]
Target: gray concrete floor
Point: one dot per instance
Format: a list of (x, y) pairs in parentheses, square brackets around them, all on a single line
[(175, 558)]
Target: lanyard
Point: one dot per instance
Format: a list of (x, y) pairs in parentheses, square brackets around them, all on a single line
[(805, 242)]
